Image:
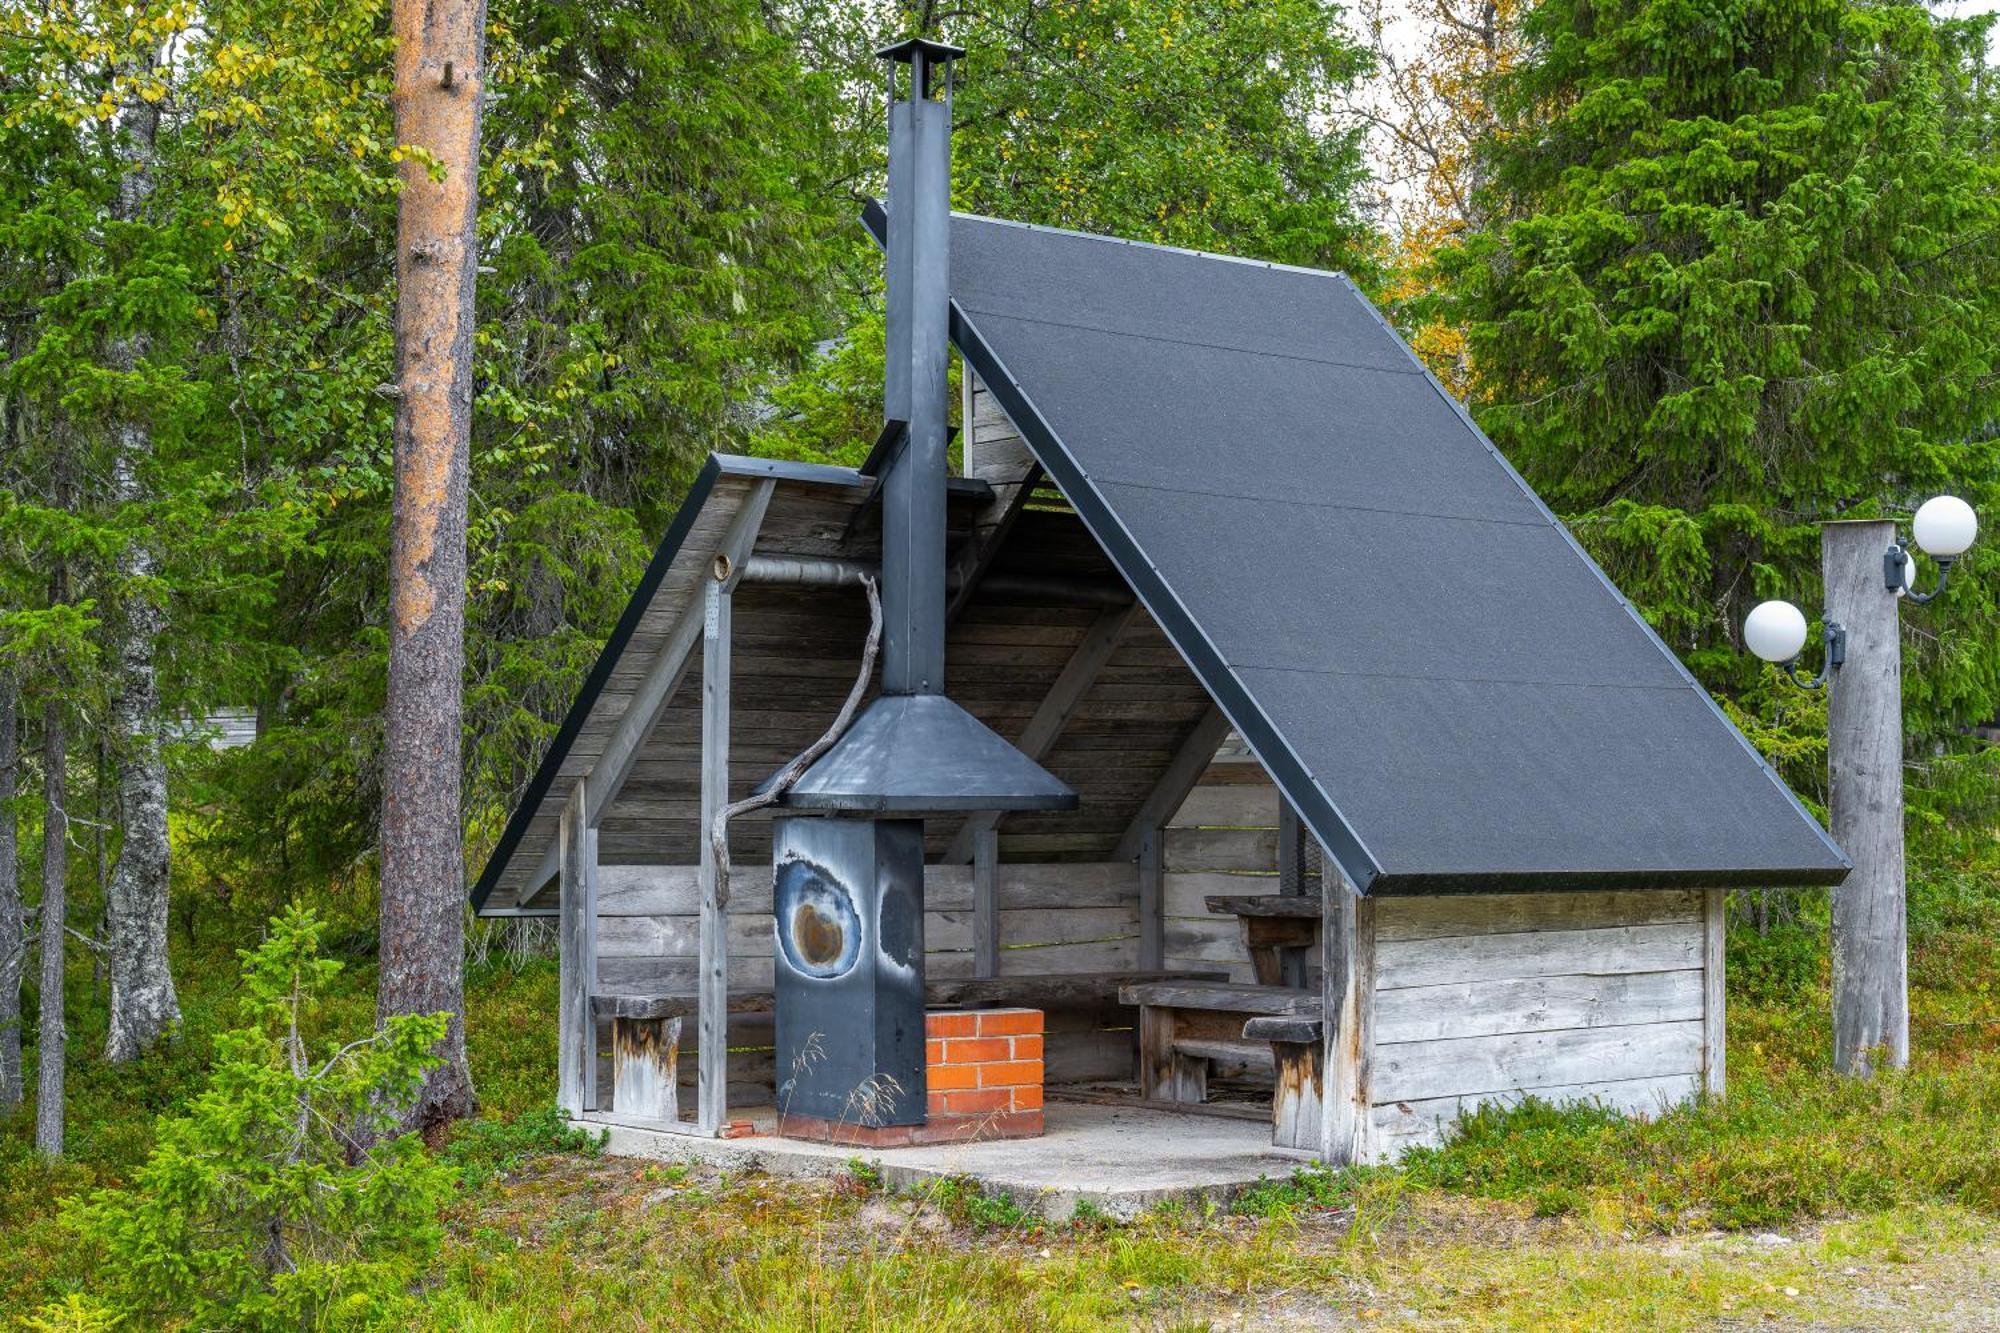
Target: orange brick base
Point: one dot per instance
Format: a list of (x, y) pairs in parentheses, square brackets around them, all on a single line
[(983, 1074), (939, 1129)]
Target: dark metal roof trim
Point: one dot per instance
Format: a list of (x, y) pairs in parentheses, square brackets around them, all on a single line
[(1540, 881), (717, 467)]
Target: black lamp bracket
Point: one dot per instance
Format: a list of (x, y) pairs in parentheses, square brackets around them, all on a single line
[(1834, 634), (1894, 561)]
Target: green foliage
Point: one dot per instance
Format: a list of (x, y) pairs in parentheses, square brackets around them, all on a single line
[(1776, 1149), (489, 1146), (965, 1201), (1314, 1187), (1780, 963), (269, 1202), (1738, 279), (1209, 124)]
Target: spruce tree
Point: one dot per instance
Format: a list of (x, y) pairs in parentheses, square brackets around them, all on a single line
[(1739, 277)]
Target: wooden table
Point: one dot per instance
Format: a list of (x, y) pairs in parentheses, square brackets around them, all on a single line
[(1278, 929)]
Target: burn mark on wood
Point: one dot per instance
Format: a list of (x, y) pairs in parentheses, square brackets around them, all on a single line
[(645, 1068)]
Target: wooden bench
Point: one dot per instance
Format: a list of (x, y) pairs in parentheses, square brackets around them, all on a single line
[(646, 1029), (1298, 1065), (1279, 930), (1184, 1026)]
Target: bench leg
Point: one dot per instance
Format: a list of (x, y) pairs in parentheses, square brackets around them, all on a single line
[(1165, 1074), (645, 1068), (1156, 1049), (1298, 1096)]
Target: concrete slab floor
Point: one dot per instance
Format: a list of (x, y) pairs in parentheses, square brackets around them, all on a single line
[(1120, 1160)]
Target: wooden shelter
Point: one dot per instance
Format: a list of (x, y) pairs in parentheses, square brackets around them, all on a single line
[(1389, 804)]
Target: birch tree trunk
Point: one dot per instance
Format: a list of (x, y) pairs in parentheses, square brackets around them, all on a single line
[(144, 1007), (13, 925), (50, 1037), (439, 47)]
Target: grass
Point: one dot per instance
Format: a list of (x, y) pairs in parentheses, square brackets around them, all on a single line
[(1536, 1217), (572, 1245)]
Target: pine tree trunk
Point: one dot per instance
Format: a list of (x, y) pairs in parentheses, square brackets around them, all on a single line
[(439, 48), (13, 924), (49, 1036), (144, 1007)]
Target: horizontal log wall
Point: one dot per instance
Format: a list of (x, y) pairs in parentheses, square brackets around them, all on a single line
[(1563, 996), (1053, 918), (1223, 840)]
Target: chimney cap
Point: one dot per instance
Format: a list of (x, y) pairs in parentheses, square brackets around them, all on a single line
[(934, 53)]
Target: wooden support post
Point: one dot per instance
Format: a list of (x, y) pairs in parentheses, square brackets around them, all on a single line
[(712, 979), (986, 903), (1291, 883), (1347, 1004), (1864, 753), (1152, 899), (1297, 1094), (576, 931), (1166, 1073), (1714, 1005)]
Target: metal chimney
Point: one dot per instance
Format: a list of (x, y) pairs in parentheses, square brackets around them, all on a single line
[(848, 894), (913, 750)]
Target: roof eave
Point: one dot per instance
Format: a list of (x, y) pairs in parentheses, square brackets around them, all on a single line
[(714, 469)]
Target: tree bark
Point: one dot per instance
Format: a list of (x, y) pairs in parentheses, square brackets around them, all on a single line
[(439, 73), (144, 1007), (13, 924), (1864, 761), (50, 1037)]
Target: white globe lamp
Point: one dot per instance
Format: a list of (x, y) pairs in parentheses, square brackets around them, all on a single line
[(1945, 527), (1775, 631)]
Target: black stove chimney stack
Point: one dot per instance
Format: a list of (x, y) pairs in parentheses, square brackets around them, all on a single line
[(848, 894), (916, 384), (913, 750)]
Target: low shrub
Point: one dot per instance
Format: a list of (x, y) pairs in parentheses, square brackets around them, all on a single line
[(488, 1147), (270, 1201)]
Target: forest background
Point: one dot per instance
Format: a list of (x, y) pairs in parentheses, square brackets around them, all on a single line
[(1709, 273)]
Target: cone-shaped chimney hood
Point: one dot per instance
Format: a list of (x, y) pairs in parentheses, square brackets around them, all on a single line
[(913, 750)]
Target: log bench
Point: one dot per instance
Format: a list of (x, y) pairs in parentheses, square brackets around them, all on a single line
[(646, 1029), (1186, 1025)]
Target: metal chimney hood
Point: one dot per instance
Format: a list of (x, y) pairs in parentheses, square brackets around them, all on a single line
[(913, 750)]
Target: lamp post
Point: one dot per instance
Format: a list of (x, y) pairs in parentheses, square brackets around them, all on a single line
[(1866, 570)]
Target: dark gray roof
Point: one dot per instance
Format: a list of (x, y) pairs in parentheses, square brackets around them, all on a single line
[(1451, 693)]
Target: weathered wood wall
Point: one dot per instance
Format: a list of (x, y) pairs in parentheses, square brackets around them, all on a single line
[(1223, 840), (1053, 918), (1080, 917), (1566, 996)]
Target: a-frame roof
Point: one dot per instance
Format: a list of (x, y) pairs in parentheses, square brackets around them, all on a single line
[(1450, 692), (1446, 688)]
